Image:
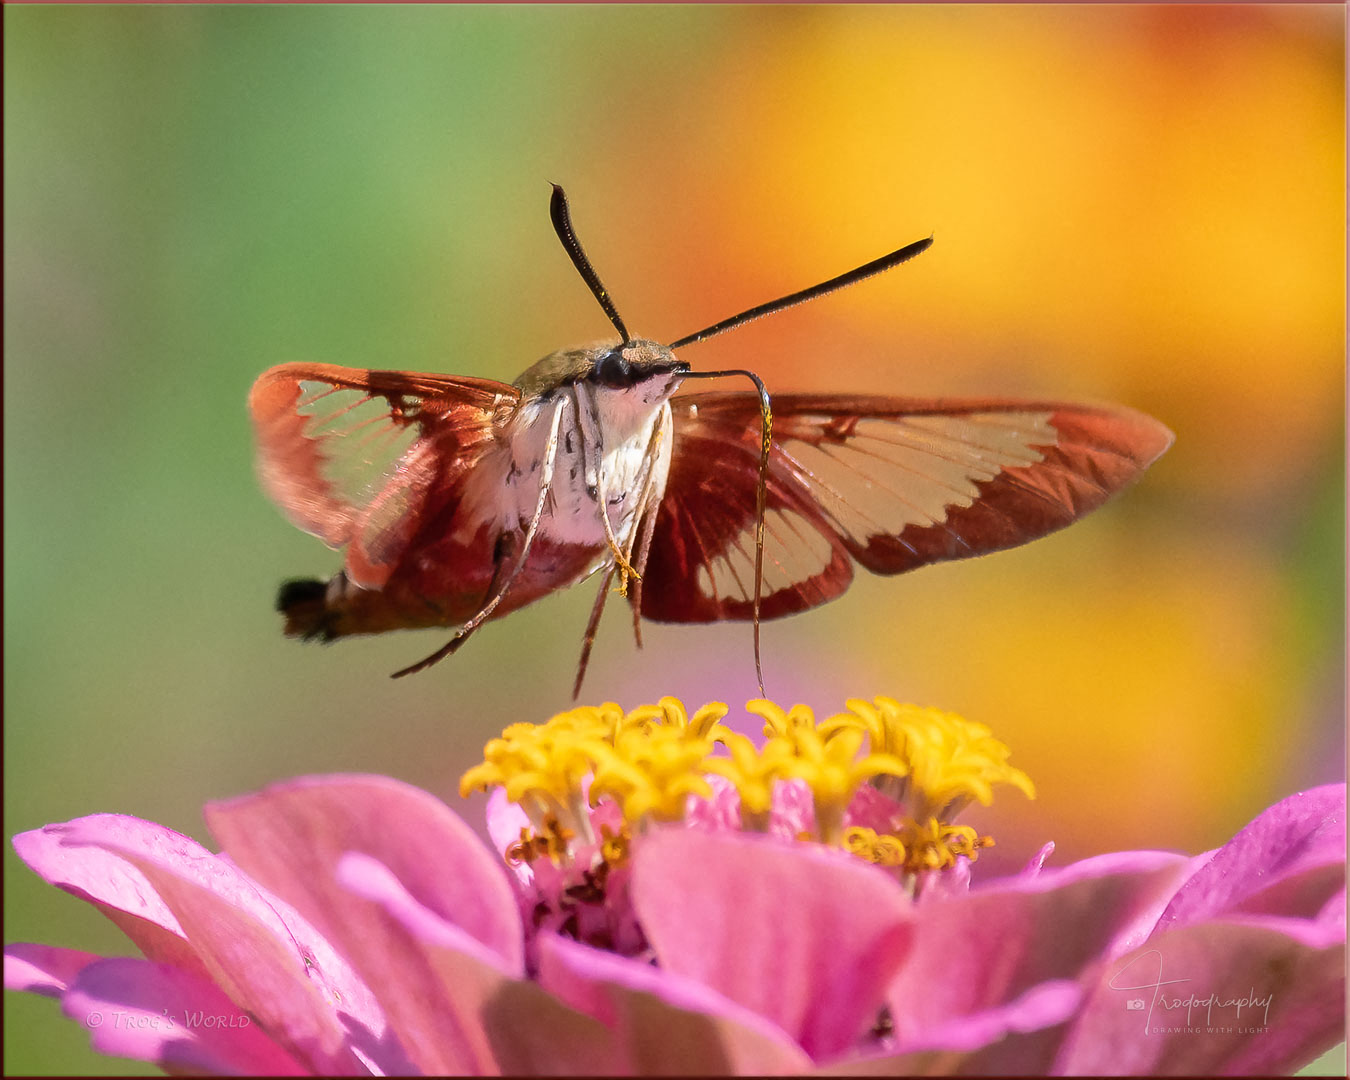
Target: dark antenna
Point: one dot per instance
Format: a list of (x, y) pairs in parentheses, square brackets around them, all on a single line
[(562, 225), (876, 266)]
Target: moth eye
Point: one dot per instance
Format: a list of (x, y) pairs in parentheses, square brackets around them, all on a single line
[(613, 370)]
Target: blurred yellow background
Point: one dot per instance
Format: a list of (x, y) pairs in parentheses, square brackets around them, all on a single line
[(1132, 204)]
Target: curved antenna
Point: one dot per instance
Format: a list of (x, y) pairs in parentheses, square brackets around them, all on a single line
[(761, 491), (562, 225), (876, 266)]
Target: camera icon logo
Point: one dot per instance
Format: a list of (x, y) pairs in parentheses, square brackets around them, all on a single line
[(1135, 1004)]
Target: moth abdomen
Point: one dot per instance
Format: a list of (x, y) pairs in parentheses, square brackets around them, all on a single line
[(304, 603)]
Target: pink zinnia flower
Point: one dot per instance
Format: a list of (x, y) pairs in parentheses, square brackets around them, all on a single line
[(658, 904)]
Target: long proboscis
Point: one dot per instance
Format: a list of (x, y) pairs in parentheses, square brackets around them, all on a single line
[(761, 491)]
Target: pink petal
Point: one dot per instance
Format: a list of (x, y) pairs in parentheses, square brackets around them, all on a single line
[(505, 819), (1016, 1039), (792, 809), (805, 936), (155, 884), (151, 1012), (953, 881), (44, 969), (368, 1033), (1333, 911), (294, 835), (534, 1034), (1037, 862), (987, 948), (291, 835), (664, 1023), (267, 967), (1289, 861), (433, 977), (871, 808), (1291, 974), (721, 811), (110, 883), (1044, 1005)]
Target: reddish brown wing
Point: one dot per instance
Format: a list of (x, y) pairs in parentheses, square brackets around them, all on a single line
[(893, 483), (350, 455)]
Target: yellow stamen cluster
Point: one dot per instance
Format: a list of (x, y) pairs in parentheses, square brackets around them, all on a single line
[(950, 761), (780, 724), (652, 773), (648, 760), (651, 760), (829, 763)]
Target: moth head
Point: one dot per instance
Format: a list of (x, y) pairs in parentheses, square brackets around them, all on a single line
[(620, 367), (645, 366), (637, 364)]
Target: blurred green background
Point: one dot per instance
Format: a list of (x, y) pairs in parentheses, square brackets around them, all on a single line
[(1133, 204)]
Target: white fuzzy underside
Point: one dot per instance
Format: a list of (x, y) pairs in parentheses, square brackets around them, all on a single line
[(606, 447)]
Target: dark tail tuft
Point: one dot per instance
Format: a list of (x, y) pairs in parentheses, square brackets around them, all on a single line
[(304, 603)]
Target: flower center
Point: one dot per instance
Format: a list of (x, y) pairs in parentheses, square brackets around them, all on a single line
[(882, 780)]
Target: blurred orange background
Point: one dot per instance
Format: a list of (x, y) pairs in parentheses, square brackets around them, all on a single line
[(1135, 204)]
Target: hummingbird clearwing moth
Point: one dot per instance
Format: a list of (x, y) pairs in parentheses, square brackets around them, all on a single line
[(459, 500)]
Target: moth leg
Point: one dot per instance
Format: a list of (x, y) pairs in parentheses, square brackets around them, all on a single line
[(620, 556), (602, 499), (647, 499), (643, 550), (648, 505), (592, 626), (484, 613)]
